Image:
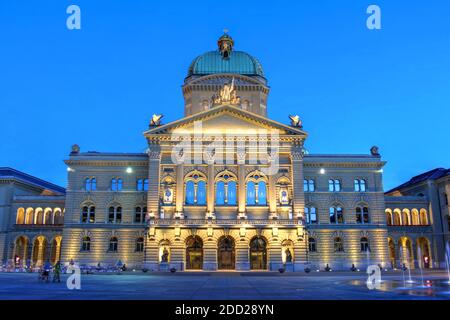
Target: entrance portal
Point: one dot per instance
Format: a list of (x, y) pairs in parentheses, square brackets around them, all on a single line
[(194, 253), (225, 253), (258, 254)]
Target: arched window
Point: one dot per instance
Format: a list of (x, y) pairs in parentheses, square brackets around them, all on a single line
[(415, 217), (58, 218), (309, 185), (190, 192), (364, 244), (311, 215), (201, 196), (113, 244), (388, 217), (256, 189), (336, 215), (116, 184), (406, 217), (226, 189), (39, 216), (86, 244), (142, 184), (423, 217), (312, 245), (360, 185), (220, 193), (139, 214), (20, 218), (334, 185), (140, 244), (362, 214), (195, 189), (397, 218), (48, 216), (115, 214), (90, 184), (251, 198), (88, 214), (262, 193), (338, 245), (29, 216)]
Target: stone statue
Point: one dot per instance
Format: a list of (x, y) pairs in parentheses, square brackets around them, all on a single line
[(75, 149), (165, 256), (288, 255), (156, 120), (374, 151), (227, 94), (296, 121)]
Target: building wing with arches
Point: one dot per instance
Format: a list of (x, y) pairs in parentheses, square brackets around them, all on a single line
[(223, 188)]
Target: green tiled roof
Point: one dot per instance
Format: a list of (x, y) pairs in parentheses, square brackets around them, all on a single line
[(238, 62)]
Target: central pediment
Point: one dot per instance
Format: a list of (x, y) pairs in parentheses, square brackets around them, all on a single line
[(225, 119)]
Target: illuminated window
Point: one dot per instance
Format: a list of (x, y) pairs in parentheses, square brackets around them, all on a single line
[(226, 189), (360, 185), (311, 215), (90, 184), (256, 190), (336, 215), (142, 184), (309, 185), (116, 184), (334, 185), (195, 189)]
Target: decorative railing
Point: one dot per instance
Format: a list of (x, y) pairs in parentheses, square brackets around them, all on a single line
[(224, 222)]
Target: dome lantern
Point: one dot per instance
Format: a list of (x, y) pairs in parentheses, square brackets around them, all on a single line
[(225, 44)]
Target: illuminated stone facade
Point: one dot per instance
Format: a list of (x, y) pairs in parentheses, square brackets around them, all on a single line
[(205, 195)]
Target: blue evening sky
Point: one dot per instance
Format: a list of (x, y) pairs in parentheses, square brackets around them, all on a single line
[(98, 86)]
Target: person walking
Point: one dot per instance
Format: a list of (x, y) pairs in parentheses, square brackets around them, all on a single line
[(57, 272)]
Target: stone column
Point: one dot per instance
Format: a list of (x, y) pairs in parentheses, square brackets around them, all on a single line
[(180, 190), (242, 256), (154, 162), (275, 258), (210, 196), (210, 255), (241, 184), (272, 197), (297, 181)]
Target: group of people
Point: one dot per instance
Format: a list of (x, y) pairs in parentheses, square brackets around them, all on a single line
[(44, 272)]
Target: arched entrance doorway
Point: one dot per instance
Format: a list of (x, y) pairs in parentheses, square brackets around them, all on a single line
[(20, 251), (258, 254), (55, 250), (39, 250), (194, 253), (423, 253), (225, 253), (392, 257)]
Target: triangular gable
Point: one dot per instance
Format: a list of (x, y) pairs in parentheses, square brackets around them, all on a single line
[(225, 117)]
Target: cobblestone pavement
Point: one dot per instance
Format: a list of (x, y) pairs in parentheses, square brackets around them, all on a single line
[(232, 285)]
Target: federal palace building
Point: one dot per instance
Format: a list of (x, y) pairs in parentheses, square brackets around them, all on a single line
[(225, 188)]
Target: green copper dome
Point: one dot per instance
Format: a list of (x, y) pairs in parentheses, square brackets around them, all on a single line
[(226, 60)]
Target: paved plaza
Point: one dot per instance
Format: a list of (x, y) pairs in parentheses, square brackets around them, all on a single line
[(232, 285)]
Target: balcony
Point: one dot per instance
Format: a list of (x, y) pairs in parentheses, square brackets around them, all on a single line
[(224, 222)]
